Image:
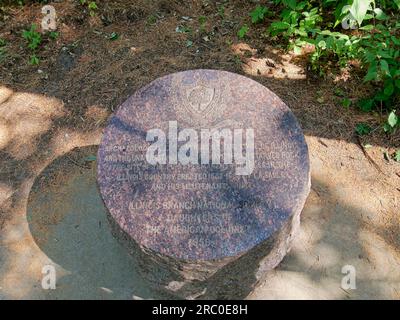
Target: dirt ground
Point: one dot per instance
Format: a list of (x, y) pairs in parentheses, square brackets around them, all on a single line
[(352, 215)]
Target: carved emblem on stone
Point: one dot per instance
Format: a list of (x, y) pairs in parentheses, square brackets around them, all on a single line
[(200, 102), (200, 99)]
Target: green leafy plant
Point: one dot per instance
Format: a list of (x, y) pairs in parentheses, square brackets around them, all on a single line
[(397, 155), (113, 36), (221, 11), (366, 105), (91, 6), (346, 102), (295, 21), (359, 9), (375, 45), (298, 24), (34, 39), (243, 31), (202, 22), (258, 14), (34, 60), (152, 19), (363, 129), (331, 46), (392, 123), (53, 35), (339, 92), (380, 54)]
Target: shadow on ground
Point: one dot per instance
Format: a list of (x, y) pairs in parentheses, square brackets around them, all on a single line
[(335, 234), (68, 222)]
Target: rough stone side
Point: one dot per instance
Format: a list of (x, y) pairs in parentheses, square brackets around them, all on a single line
[(228, 278)]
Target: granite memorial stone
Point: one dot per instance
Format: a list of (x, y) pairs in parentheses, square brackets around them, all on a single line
[(204, 174)]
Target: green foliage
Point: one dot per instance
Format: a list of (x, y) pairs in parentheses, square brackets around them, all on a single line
[(259, 14), (346, 102), (33, 37), (243, 31), (34, 40), (363, 129), (366, 105), (221, 11), (296, 22), (91, 6), (392, 123), (152, 19), (333, 46), (327, 26), (380, 54), (397, 155), (202, 22), (359, 9), (113, 36), (34, 60), (53, 35), (393, 120)]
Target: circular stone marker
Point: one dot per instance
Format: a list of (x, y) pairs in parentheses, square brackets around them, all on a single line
[(204, 165)]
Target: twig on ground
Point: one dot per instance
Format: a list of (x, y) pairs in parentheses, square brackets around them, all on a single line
[(368, 156)]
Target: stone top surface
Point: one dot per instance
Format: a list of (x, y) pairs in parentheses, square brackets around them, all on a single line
[(162, 190)]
